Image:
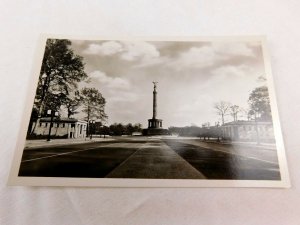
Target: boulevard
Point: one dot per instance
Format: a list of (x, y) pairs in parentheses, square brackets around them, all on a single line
[(153, 158)]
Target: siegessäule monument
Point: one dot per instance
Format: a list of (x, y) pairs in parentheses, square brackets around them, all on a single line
[(154, 124)]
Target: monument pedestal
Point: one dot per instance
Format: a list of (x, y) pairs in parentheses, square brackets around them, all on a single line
[(155, 131), (154, 123)]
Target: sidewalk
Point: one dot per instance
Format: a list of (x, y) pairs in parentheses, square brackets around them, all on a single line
[(267, 146), (57, 142)]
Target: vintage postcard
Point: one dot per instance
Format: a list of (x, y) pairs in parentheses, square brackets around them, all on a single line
[(151, 112)]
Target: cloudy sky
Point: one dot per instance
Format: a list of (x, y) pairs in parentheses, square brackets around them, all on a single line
[(191, 77)]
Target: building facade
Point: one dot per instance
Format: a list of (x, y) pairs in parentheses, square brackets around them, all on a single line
[(62, 128), (248, 131)]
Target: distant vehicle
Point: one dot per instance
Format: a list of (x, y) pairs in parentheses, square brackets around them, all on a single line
[(137, 134)]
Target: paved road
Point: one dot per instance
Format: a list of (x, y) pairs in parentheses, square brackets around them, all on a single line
[(142, 157), (218, 161)]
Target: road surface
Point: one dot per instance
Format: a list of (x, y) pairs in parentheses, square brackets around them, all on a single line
[(143, 157)]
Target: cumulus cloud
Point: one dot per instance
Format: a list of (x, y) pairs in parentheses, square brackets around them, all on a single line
[(110, 82), (139, 50), (196, 57), (106, 48), (233, 49), (210, 55), (141, 53), (128, 51)]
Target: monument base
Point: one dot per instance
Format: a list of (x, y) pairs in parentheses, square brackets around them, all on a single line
[(155, 131)]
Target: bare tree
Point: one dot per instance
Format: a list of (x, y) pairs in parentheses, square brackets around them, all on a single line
[(222, 108), (234, 110)]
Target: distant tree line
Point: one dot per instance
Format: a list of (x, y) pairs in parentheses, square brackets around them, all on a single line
[(116, 129), (194, 131), (120, 129)]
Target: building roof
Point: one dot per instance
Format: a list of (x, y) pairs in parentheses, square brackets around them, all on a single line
[(246, 122), (61, 120)]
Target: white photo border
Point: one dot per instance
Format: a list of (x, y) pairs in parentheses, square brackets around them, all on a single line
[(15, 180)]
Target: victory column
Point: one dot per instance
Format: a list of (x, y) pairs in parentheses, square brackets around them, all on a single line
[(154, 124)]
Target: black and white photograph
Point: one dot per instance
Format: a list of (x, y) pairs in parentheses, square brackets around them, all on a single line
[(181, 112)]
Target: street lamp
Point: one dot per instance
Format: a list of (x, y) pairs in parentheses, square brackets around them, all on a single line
[(218, 130), (44, 90), (52, 114), (92, 122), (90, 101)]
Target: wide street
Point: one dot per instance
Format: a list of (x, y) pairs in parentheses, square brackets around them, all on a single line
[(145, 157)]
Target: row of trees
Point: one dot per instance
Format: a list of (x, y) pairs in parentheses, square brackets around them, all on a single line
[(259, 107), (61, 72), (120, 129), (116, 129), (194, 131)]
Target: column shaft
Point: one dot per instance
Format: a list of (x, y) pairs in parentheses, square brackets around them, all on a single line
[(154, 104)]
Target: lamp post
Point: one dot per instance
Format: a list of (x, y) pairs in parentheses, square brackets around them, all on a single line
[(52, 114), (92, 123), (101, 130), (218, 130), (90, 102), (254, 112), (44, 87)]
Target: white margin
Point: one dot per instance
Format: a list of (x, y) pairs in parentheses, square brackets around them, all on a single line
[(15, 180)]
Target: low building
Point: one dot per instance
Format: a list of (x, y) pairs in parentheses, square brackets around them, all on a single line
[(61, 128), (248, 131)]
